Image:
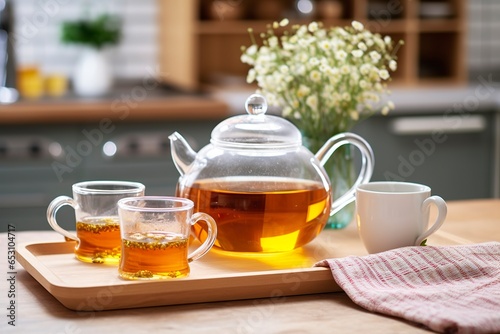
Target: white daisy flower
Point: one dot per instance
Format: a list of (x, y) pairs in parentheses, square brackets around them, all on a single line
[(393, 65), (354, 115), (357, 53), (384, 74), (315, 76), (284, 22), (251, 76), (340, 55), (312, 101), (313, 26), (345, 70), (303, 91), (357, 25), (375, 56)]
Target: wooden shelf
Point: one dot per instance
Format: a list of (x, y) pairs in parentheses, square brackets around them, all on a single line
[(241, 27), (441, 25), (80, 110), (198, 42)]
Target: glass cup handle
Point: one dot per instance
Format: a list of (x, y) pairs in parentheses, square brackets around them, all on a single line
[(367, 164), (442, 211), (212, 235), (54, 206)]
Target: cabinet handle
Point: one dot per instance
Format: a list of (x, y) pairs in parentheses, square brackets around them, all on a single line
[(424, 125)]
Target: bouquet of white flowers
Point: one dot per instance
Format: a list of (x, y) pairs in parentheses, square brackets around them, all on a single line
[(325, 80)]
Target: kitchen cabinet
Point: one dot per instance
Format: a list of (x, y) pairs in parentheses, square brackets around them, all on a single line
[(456, 155), (200, 40), (27, 179), (33, 172)]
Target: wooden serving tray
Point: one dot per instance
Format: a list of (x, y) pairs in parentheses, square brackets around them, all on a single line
[(218, 276)]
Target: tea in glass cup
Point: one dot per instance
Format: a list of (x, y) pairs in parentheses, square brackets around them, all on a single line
[(155, 237), (97, 224)]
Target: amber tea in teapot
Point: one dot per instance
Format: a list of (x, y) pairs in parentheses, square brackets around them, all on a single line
[(259, 214)]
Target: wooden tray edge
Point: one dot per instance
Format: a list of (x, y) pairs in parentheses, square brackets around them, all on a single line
[(265, 284)]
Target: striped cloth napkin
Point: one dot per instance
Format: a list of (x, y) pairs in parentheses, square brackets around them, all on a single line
[(449, 289)]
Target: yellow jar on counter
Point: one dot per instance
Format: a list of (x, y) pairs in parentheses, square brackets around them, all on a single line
[(30, 82), (56, 85)]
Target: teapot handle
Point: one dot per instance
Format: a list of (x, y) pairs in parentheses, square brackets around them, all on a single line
[(367, 164)]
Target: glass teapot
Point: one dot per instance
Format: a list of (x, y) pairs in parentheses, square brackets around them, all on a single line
[(265, 190)]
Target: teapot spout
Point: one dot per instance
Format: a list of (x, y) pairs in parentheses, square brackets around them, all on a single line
[(182, 154)]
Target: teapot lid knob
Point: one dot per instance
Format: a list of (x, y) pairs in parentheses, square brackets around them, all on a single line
[(256, 104), (256, 129)]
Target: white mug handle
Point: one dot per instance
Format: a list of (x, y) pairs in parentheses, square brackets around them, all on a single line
[(442, 211)]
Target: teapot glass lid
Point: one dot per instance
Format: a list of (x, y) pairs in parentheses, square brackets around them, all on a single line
[(256, 129)]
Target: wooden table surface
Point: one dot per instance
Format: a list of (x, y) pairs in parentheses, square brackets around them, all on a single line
[(37, 311)]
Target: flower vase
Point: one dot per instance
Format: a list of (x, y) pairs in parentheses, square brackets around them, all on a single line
[(92, 76), (342, 173)]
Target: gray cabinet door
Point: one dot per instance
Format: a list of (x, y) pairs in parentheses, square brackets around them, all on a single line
[(30, 177), (454, 156)]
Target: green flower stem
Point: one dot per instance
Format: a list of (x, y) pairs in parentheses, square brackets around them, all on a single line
[(341, 171)]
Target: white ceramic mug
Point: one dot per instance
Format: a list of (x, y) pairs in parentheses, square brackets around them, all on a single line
[(396, 214)]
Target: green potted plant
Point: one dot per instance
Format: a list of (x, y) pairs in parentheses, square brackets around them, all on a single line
[(92, 75)]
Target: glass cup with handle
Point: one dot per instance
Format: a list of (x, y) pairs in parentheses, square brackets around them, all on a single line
[(97, 226), (155, 234)]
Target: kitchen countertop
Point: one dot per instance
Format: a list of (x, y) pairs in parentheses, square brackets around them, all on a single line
[(472, 221), (128, 102), (137, 103), (479, 96)]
